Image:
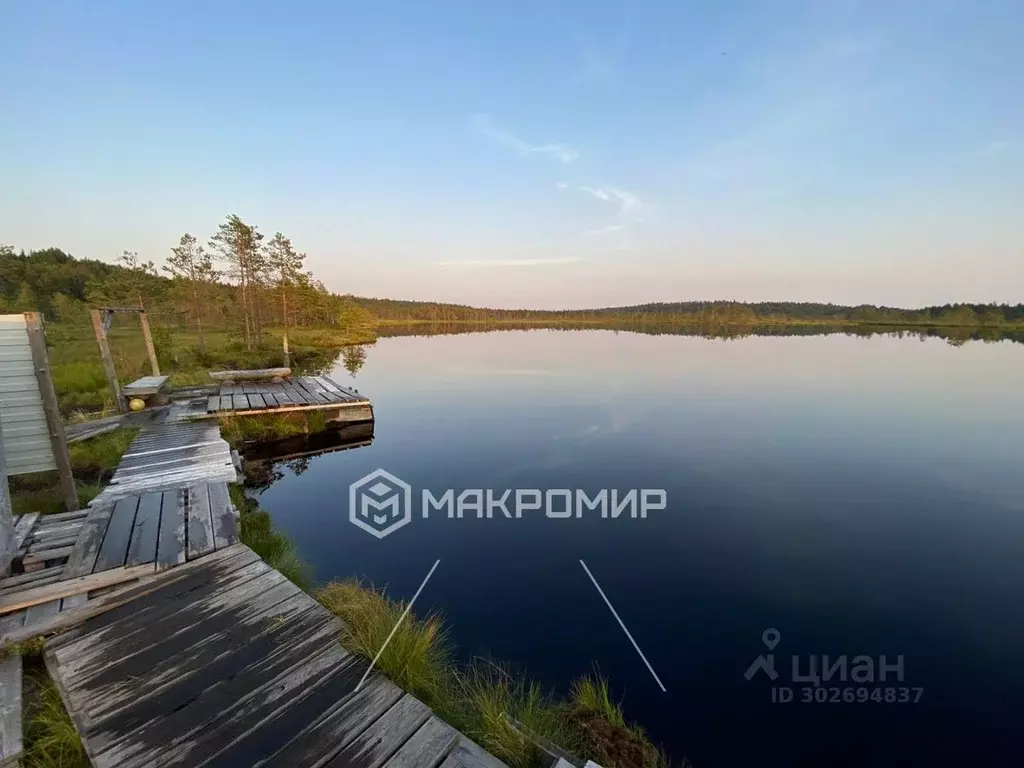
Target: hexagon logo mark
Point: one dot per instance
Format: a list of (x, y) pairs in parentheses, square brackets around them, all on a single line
[(380, 503)]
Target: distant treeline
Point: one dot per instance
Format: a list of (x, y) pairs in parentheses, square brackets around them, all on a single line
[(709, 314), (268, 287)]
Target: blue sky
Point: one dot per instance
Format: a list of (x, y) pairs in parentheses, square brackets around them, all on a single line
[(540, 154)]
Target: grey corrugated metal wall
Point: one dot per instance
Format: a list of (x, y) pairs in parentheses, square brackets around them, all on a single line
[(26, 439)]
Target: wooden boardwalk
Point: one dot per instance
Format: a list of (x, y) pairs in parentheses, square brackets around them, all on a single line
[(226, 663), (171, 455), (299, 393), (172, 644)]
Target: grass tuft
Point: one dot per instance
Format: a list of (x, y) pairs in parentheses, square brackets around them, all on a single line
[(51, 740), (591, 694), (417, 657), (505, 712)]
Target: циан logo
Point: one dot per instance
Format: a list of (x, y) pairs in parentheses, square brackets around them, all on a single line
[(380, 503)]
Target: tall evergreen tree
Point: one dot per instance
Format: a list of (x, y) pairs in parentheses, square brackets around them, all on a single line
[(285, 266), (238, 244), (191, 264)]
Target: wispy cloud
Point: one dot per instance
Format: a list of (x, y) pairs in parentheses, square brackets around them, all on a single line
[(604, 230), (511, 262), (488, 128), (629, 204)]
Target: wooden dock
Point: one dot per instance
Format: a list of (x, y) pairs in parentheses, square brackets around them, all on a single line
[(172, 644), (300, 393), (229, 664)]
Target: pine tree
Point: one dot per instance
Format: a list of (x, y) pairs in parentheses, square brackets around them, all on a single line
[(190, 263), (285, 266), (238, 244)]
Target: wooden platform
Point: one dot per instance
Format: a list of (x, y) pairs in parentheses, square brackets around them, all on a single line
[(171, 455), (159, 530), (145, 387), (297, 394), (226, 663)]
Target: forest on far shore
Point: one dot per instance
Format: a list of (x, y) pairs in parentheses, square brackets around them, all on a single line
[(241, 281)]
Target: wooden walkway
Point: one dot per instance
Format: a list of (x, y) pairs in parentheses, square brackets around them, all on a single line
[(157, 530), (171, 455), (172, 644), (223, 662), (300, 393)]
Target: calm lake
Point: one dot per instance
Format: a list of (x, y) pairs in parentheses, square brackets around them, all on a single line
[(860, 496)]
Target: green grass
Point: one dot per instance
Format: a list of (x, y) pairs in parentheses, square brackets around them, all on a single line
[(592, 694), (97, 457), (50, 737), (239, 430), (505, 712), (257, 532), (417, 655), (81, 384)]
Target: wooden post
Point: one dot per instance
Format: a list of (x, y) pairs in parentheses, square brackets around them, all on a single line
[(153, 364), (108, 361), (6, 519), (55, 426)]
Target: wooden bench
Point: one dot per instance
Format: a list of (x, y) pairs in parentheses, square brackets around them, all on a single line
[(258, 374), (149, 389)]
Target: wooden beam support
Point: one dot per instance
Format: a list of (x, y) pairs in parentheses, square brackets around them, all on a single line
[(108, 361), (54, 423), (150, 349), (7, 545), (76, 586)]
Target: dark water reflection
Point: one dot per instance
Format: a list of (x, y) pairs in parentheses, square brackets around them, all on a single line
[(864, 496)]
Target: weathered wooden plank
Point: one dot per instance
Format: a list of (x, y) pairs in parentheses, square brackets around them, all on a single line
[(74, 601), (223, 713), (265, 740), (42, 555), (45, 576), (55, 425), (22, 528), (428, 746), (222, 512), (385, 736), (114, 549), (283, 396), (142, 546), (78, 513), (147, 385), (71, 623), (339, 725), (41, 611), (213, 404), (256, 401), (23, 580), (10, 708), (170, 549), (121, 703), (200, 522), (469, 754), (68, 587), (97, 664), (312, 390), (83, 556), (254, 374), (119, 629)]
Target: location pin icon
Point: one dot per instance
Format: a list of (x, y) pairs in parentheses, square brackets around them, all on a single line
[(771, 637)]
